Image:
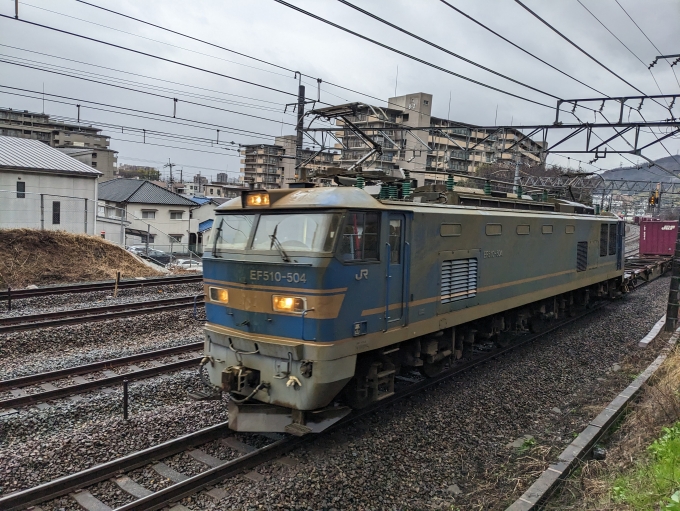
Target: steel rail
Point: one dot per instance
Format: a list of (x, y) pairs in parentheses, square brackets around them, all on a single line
[(32, 379), (12, 320), (91, 314), (177, 491), (64, 485), (95, 384), (99, 286)]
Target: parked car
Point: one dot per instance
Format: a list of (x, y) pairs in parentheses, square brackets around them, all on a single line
[(187, 264), (156, 256)]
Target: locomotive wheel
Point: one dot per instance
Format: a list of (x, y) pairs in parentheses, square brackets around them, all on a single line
[(357, 396), (357, 392), (432, 369)]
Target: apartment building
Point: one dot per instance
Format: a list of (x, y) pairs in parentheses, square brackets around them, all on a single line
[(446, 146), (273, 165), (262, 165), (313, 160), (92, 147)]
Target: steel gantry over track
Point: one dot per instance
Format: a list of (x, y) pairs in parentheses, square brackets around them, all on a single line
[(618, 127)]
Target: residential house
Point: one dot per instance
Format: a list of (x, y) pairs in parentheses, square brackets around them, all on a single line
[(166, 217), (43, 188)]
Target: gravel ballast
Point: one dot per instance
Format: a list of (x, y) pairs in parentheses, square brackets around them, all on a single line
[(449, 448), (70, 301), (446, 448), (48, 349)]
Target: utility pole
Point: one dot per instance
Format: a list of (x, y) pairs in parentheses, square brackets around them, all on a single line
[(674, 291), (302, 172), (517, 182), (169, 165)]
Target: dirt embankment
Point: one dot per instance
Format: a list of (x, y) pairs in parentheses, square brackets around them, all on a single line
[(30, 256)]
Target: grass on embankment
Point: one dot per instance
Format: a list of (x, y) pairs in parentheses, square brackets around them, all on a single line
[(655, 482), (642, 467)]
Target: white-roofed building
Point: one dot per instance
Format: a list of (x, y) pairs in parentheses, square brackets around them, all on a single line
[(43, 188)]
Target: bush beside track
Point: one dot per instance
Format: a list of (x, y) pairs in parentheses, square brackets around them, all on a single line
[(31, 256)]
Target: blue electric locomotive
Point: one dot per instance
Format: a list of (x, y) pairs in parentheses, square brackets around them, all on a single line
[(316, 298)]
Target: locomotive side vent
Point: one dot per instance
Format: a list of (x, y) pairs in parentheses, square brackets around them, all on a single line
[(582, 256), (459, 279)]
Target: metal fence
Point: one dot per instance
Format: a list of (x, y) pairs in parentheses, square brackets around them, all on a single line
[(144, 239), (46, 211)]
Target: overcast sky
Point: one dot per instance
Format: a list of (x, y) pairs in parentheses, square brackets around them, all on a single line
[(272, 32)]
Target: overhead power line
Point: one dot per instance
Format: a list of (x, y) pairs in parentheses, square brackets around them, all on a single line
[(440, 48), (186, 36), (145, 132), (519, 47), (404, 54), (141, 76), (147, 93), (650, 41), (154, 40), (136, 112), (622, 44), (577, 46), (318, 80), (150, 55)]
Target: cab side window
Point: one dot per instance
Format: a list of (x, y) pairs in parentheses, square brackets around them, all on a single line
[(360, 237)]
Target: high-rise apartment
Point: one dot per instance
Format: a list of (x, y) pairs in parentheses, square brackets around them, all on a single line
[(445, 145), (84, 143)]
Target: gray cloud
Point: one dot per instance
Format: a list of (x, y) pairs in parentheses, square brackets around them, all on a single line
[(272, 32)]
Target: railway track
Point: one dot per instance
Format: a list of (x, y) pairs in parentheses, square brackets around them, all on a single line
[(18, 386), (16, 294), (218, 470), (90, 314)]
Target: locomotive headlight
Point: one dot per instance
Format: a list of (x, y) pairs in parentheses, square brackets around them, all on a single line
[(217, 294), (293, 304), (257, 199)]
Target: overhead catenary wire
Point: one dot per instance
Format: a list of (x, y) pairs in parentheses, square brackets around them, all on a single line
[(143, 131), (156, 40), (318, 84), (445, 50), (118, 139), (136, 113), (519, 47), (650, 41), (641, 62), (186, 165), (138, 75), (577, 46), (150, 55), (186, 36), (407, 55), (623, 44), (155, 94)]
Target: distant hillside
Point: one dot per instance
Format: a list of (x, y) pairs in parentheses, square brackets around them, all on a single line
[(645, 172)]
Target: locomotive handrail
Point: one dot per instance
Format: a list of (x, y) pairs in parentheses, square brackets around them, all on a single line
[(387, 287), (304, 313), (406, 285)]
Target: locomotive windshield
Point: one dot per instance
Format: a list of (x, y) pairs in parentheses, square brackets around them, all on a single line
[(295, 232)]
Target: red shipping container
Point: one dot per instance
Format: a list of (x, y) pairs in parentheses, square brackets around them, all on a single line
[(657, 237)]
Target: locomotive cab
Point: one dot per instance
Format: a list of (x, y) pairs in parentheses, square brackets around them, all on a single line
[(288, 278)]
